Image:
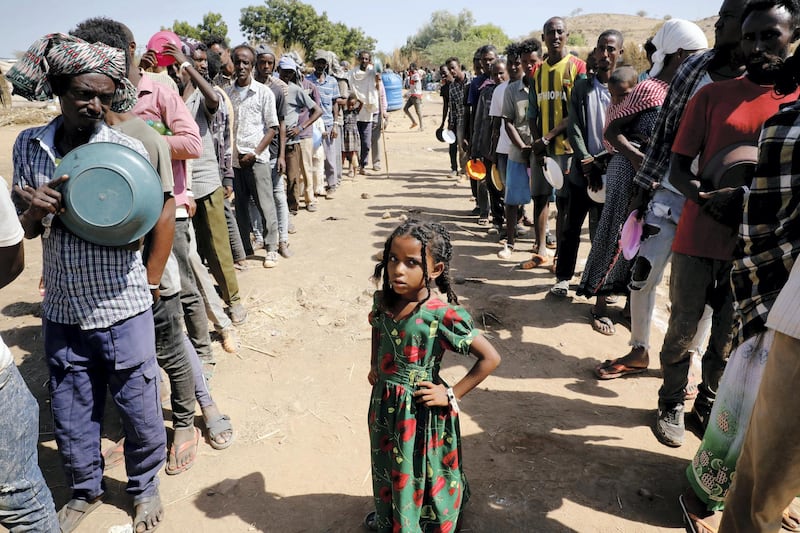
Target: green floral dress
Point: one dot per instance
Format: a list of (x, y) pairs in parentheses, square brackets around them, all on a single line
[(416, 454)]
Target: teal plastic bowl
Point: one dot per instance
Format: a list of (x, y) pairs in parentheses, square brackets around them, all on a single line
[(113, 196)]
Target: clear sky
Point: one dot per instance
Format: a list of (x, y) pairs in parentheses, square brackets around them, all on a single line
[(388, 22)]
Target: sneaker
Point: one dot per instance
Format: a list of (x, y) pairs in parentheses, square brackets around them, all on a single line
[(453, 174), (505, 253), (376, 168), (669, 428), (330, 193), (238, 314), (283, 249), (258, 243), (560, 289), (311, 208), (521, 230), (271, 261)]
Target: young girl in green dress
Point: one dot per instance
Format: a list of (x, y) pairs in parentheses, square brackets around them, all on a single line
[(413, 415)]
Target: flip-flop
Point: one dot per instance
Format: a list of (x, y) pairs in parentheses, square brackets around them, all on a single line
[(790, 521), (74, 511), (536, 261), (173, 454), (371, 521), (692, 520), (597, 320), (615, 370), (216, 427), (148, 513), (115, 455)]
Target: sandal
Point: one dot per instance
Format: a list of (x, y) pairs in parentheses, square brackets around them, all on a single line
[(172, 459), (148, 513), (115, 455), (371, 521), (693, 521), (215, 428), (74, 511), (613, 369), (483, 221), (536, 261), (602, 324), (550, 241), (790, 520)]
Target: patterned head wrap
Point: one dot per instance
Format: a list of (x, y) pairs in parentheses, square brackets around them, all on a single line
[(59, 54)]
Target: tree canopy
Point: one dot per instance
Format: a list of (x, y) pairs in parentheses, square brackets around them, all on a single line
[(449, 34), (292, 22), (212, 27)]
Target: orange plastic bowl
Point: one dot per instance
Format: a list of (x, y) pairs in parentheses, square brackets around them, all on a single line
[(476, 169)]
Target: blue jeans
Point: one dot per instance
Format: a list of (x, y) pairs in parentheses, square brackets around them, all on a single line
[(281, 202), (25, 500)]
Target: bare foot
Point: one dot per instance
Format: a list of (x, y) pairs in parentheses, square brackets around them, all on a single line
[(148, 513), (791, 516)]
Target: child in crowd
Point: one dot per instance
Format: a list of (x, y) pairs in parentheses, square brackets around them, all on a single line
[(415, 439), (351, 140)]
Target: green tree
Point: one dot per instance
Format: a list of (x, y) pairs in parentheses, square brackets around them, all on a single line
[(453, 35), (444, 26), (292, 22), (212, 26)]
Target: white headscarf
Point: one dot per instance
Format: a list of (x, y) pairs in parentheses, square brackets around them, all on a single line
[(675, 34)]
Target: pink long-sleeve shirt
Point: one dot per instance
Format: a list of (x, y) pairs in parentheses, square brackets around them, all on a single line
[(159, 103)]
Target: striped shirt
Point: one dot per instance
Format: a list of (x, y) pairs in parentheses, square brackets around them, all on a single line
[(86, 284), (328, 94), (549, 98), (769, 236)]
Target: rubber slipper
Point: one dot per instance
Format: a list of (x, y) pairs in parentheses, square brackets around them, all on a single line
[(550, 242), (115, 455), (690, 393), (148, 513), (74, 511), (692, 520), (790, 521), (371, 521), (599, 321), (173, 454), (536, 261), (609, 369), (216, 427)]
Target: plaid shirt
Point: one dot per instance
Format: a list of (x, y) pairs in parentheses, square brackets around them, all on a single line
[(769, 237), (656, 160), (85, 284), (458, 100)]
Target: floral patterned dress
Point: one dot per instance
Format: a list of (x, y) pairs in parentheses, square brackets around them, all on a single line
[(416, 454)]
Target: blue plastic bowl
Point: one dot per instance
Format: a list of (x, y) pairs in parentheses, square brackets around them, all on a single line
[(113, 196)]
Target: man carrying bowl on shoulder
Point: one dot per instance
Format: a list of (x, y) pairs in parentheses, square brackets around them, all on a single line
[(96, 314)]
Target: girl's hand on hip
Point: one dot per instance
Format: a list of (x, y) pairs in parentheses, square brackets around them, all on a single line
[(431, 394)]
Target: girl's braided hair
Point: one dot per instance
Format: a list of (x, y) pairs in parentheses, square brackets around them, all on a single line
[(435, 240)]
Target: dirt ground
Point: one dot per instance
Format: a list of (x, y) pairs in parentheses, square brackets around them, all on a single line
[(547, 447)]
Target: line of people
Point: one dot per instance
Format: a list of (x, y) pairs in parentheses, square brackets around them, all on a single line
[(672, 151)]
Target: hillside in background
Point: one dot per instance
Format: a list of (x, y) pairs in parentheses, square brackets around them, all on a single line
[(635, 28)]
